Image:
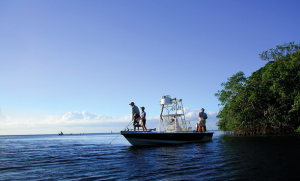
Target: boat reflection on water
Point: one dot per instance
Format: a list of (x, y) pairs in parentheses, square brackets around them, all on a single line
[(173, 128)]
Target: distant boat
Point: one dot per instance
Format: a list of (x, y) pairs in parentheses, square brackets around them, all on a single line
[(61, 133), (177, 130)]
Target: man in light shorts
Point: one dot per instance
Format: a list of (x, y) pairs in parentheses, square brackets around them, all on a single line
[(202, 121)]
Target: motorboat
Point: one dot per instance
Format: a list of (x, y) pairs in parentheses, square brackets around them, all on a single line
[(172, 128)]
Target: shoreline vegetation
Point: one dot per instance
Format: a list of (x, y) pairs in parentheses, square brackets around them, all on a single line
[(268, 101)]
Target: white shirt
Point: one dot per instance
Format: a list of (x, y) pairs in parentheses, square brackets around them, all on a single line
[(143, 115)]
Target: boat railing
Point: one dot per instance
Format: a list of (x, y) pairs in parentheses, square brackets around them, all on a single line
[(184, 122), (148, 130)]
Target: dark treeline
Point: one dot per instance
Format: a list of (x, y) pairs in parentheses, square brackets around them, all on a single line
[(268, 101)]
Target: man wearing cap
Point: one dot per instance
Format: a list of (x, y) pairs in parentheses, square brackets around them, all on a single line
[(143, 118), (135, 115), (202, 120)]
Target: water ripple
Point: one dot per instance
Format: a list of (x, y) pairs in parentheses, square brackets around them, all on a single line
[(88, 157)]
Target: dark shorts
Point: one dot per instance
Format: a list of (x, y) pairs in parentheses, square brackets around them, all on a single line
[(143, 122), (135, 119)]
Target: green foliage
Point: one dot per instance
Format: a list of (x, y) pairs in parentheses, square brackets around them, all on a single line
[(280, 51), (268, 99), (298, 129), (231, 87)]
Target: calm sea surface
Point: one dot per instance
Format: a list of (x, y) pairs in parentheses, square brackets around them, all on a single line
[(84, 157)]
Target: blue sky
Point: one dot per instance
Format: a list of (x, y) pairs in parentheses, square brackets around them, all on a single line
[(74, 66)]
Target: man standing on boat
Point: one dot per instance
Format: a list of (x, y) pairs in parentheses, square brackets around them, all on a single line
[(135, 115), (202, 120)]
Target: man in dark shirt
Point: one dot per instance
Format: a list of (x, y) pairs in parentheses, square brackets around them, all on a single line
[(135, 115), (202, 121)]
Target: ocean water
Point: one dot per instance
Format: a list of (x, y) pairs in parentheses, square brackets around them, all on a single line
[(89, 157)]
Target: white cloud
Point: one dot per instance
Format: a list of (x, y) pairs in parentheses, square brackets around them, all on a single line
[(84, 115), (190, 115), (85, 121), (85, 118)]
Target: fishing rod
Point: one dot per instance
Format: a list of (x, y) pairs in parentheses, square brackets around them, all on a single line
[(118, 134), (210, 126)]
